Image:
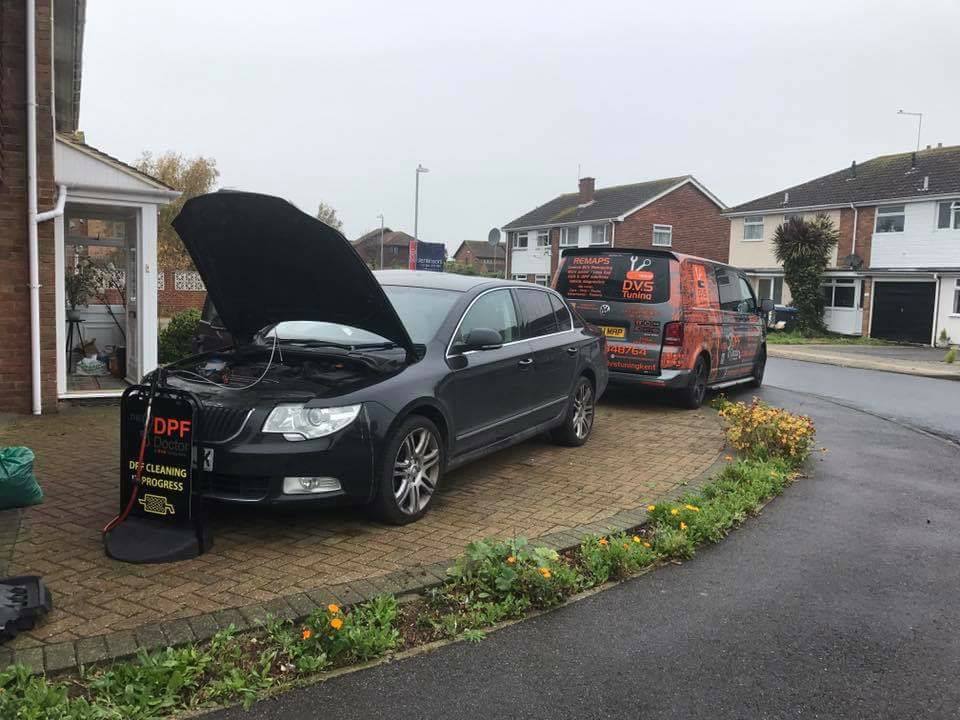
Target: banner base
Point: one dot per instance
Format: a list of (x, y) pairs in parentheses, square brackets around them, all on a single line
[(138, 540)]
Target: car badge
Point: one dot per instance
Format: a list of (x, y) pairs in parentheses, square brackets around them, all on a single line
[(604, 309)]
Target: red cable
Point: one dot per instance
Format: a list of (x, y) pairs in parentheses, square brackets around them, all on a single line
[(136, 482)]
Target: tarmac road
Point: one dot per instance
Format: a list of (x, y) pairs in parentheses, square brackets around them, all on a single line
[(841, 600)]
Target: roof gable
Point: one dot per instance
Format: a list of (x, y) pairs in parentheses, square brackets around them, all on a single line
[(608, 203), (481, 248), (78, 165), (888, 177)]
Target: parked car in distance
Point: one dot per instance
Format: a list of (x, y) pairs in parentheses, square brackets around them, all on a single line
[(672, 321), (345, 386)]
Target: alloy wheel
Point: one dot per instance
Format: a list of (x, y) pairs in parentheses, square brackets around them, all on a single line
[(416, 470), (700, 383), (583, 410)]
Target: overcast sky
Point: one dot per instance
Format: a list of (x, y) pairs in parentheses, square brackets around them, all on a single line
[(338, 101)]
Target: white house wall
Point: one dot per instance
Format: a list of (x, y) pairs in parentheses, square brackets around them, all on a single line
[(946, 318), (920, 245), (532, 261), (758, 254)]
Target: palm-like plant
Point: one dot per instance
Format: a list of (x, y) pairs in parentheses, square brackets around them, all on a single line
[(804, 247)]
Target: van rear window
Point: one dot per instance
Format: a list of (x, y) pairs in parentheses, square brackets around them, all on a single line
[(620, 277)]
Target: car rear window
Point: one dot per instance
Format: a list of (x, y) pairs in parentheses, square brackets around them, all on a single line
[(620, 277)]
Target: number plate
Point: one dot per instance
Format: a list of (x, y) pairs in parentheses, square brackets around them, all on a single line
[(613, 332), (207, 455)]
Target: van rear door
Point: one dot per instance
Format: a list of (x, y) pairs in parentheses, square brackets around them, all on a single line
[(627, 294)]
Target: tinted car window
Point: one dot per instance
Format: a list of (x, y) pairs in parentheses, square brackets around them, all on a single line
[(746, 295), (560, 312), (735, 295), (494, 311), (538, 314), (620, 277)]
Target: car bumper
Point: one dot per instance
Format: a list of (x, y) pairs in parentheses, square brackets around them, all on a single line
[(666, 380), (251, 468)]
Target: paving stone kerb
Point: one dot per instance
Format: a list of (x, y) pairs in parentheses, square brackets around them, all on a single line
[(286, 563)]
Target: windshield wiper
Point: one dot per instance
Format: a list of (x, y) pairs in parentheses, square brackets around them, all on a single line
[(316, 343)]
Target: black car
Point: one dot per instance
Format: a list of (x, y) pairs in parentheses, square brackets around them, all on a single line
[(347, 386)]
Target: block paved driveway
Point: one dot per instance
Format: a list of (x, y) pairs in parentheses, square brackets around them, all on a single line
[(639, 451)]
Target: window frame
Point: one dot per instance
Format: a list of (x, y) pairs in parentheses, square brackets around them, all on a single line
[(517, 315), (844, 282), (593, 232), (953, 221), (565, 236), (516, 240), (662, 228), (752, 221), (518, 277), (880, 211), (540, 276), (773, 280), (544, 234), (956, 298)]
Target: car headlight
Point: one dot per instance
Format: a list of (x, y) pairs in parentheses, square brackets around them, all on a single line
[(297, 422)]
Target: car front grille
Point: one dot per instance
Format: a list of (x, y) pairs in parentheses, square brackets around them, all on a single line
[(218, 423), (235, 487)]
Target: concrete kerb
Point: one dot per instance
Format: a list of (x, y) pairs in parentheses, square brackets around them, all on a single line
[(66, 656)]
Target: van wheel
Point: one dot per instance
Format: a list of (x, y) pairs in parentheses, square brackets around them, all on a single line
[(578, 422), (412, 465), (691, 397), (756, 377)]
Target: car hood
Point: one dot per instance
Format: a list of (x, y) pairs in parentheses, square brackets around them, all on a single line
[(264, 261)]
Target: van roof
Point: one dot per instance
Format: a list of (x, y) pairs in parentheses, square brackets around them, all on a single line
[(646, 251)]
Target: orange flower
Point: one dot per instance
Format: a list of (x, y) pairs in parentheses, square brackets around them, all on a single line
[(728, 458), (626, 546), (646, 545), (602, 541), (683, 525), (333, 609), (306, 634), (545, 572), (511, 560), (336, 623)]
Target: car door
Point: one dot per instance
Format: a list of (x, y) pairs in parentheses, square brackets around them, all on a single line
[(546, 327), (489, 390)]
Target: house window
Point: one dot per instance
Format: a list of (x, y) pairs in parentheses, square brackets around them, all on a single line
[(753, 227), (520, 241), (569, 236), (840, 293), (541, 279), (770, 288), (889, 219), (663, 235), (956, 298), (598, 234), (519, 278), (948, 215), (543, 239)]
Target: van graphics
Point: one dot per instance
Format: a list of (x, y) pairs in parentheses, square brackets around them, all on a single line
[(616, 277), (167, 473)]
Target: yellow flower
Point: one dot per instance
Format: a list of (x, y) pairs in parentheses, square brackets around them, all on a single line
[(336, 623), (333, 609), (683, 525), (646, 545), (651, 508), (688, 506), (545, 572), (636, 539), (602, 541), (511, 560), (674, 511), (306, 634)]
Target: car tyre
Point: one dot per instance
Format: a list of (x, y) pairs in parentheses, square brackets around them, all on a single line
[(691, 397), (578, 421), (756, 376), (413, 463)]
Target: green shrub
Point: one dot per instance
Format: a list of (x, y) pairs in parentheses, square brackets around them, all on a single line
[(176, 339), (364, 633), (614, 557), (951, 356), (762, 431)]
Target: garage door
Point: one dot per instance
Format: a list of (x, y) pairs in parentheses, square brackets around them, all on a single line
[(903, 311)]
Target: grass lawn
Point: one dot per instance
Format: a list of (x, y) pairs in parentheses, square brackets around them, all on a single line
[(795, 338)]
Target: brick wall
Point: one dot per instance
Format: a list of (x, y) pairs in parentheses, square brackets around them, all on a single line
[(698, 227), (14, 257), (171, 300), (865, 218)]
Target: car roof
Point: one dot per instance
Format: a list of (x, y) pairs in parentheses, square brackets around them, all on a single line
[(437, 280)]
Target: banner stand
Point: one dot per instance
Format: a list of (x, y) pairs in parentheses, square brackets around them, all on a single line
[(166, 520)]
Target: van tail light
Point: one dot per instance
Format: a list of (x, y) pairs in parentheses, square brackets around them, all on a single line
[(673, 334)]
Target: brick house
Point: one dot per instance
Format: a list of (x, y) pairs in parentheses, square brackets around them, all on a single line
[(482, 256), (396, 248), (81, 207), (895, 273), (676, 213)]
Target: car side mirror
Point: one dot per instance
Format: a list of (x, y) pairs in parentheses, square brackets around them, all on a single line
[(766, 306), (482, 339)]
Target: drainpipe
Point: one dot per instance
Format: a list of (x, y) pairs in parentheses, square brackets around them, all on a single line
[(34, 217), (613, 233), (853, 243), (936, 309)]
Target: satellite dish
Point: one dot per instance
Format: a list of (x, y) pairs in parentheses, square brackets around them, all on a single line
[(493, 237), (854, 262)]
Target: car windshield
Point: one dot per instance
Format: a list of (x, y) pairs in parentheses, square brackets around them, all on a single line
[(422, 310)]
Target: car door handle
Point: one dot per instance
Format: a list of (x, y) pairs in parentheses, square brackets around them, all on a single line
[(573, 351), (525, 363)]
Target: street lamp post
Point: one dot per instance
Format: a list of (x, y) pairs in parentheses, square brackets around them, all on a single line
[(381, 240), (416, 202), (919, 124)]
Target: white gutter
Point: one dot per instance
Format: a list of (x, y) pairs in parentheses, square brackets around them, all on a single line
[(34, 217)]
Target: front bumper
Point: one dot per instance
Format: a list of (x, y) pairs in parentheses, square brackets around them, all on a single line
[(666, 380), (251, 467)]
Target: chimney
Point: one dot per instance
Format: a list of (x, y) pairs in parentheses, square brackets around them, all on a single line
[(928, 147), (587, 185), (939, 145), (853, 169)]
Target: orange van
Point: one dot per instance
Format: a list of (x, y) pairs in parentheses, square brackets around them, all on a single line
[(672, 321)]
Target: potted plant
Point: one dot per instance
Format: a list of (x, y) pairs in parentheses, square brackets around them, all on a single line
[(79, 286)]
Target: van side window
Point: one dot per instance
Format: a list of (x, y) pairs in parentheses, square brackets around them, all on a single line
[(735, 292), (749, 303)]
